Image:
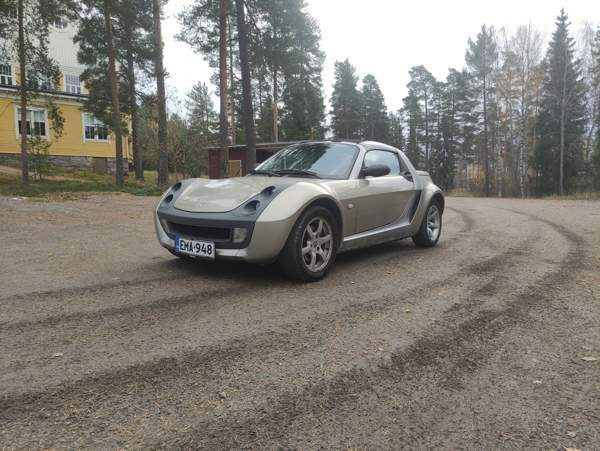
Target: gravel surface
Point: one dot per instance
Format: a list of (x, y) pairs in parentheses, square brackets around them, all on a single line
[(489, 340)]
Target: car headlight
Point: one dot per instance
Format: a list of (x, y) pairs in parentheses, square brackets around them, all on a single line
[(239, 234)]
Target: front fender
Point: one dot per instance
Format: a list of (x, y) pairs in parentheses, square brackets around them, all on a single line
[(274, 224)]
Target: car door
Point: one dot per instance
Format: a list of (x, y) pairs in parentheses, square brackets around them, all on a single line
[(382, 200)]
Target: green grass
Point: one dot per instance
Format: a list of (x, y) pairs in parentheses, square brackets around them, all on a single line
[(77, 184)]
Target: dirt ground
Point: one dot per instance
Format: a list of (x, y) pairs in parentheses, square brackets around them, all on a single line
[(486, 341)]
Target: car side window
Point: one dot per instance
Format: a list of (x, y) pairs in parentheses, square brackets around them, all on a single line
[(385, 157)]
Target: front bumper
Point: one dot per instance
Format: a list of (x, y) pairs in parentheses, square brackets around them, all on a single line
[(264, 242)]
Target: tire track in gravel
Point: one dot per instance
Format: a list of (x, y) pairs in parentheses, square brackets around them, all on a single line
[(210, 363), (206, 297), (75, 293), (446, 356), (89, 289), (105, 332), (467, 219), (164, 304)]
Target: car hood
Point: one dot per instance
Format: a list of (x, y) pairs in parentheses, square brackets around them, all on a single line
[(217, 196)]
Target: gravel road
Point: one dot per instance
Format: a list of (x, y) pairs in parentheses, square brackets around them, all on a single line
[(486, 341)]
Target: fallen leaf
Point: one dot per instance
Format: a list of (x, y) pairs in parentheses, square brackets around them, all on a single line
[(537, 381), (57, 354), (571, 434), (590, 359)]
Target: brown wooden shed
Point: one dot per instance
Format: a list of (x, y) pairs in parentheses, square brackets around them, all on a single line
[(237, 157)]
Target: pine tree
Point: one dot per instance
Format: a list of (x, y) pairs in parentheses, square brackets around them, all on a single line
[(264, 126), (132, 28), (395, 135), (24, 31), (345, 102), (595, 163), (421, 86), (159, 74), (375, 122), (303, 111), (414, 119), (460, 124), (201, 116), (559, 152), (481, 58), (248, 108)]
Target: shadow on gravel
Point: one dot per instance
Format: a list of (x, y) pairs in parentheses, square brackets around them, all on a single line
[(271, 273)]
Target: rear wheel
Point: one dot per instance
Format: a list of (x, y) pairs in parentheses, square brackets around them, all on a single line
[(311, 248), (431, 227)]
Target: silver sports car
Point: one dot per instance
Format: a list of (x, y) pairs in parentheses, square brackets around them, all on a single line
[(302, 206)]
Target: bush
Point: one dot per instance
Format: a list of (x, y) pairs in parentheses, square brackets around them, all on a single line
[(39, 149)]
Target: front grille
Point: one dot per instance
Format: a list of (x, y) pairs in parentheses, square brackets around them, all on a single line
[(210, 233)]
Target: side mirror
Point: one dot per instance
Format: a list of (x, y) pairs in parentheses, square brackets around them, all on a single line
[(375, 170)]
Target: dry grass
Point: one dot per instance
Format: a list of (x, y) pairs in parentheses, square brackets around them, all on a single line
[(70, 185), (576, 196)]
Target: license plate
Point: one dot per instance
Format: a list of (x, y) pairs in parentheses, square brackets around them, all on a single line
[(195, 248)]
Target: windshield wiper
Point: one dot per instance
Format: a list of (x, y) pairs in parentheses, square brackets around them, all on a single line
[(302, 172), (261, 172)]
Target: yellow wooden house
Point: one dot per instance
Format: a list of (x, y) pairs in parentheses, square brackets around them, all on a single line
[(86, 142)]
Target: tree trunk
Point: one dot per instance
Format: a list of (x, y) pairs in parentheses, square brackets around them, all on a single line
[(275, 109), (114, 94), (246, 87), (486, 152), (224, 154), (231, 102), (563, 107), (427, 149), (23, 93), (137, 156), (163, 162)]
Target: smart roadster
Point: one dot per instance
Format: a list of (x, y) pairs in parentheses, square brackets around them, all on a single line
[(303, 206)]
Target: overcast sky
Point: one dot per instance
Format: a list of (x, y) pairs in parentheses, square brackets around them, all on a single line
[(388, 37)]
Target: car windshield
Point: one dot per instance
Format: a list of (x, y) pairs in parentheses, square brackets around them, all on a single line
[(319, 159)]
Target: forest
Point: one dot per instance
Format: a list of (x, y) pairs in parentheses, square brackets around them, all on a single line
[(520, 118)]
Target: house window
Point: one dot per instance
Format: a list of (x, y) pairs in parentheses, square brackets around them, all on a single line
[(6, 74), (39, 81), (94, 129), (60, 23), (36, 123), (72, 84)]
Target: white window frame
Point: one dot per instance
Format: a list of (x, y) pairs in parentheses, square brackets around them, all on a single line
[(41, 80), (67, 84), (95, 140), (31, 108), (12, 73), (59, 24)]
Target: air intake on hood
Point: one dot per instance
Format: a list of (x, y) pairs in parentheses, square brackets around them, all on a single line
[(268, 190)]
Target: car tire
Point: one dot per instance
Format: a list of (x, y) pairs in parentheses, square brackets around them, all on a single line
[(431, 228), (309, 254)]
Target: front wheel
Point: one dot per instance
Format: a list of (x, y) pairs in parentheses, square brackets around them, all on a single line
[(311, 247), (431, 227)]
